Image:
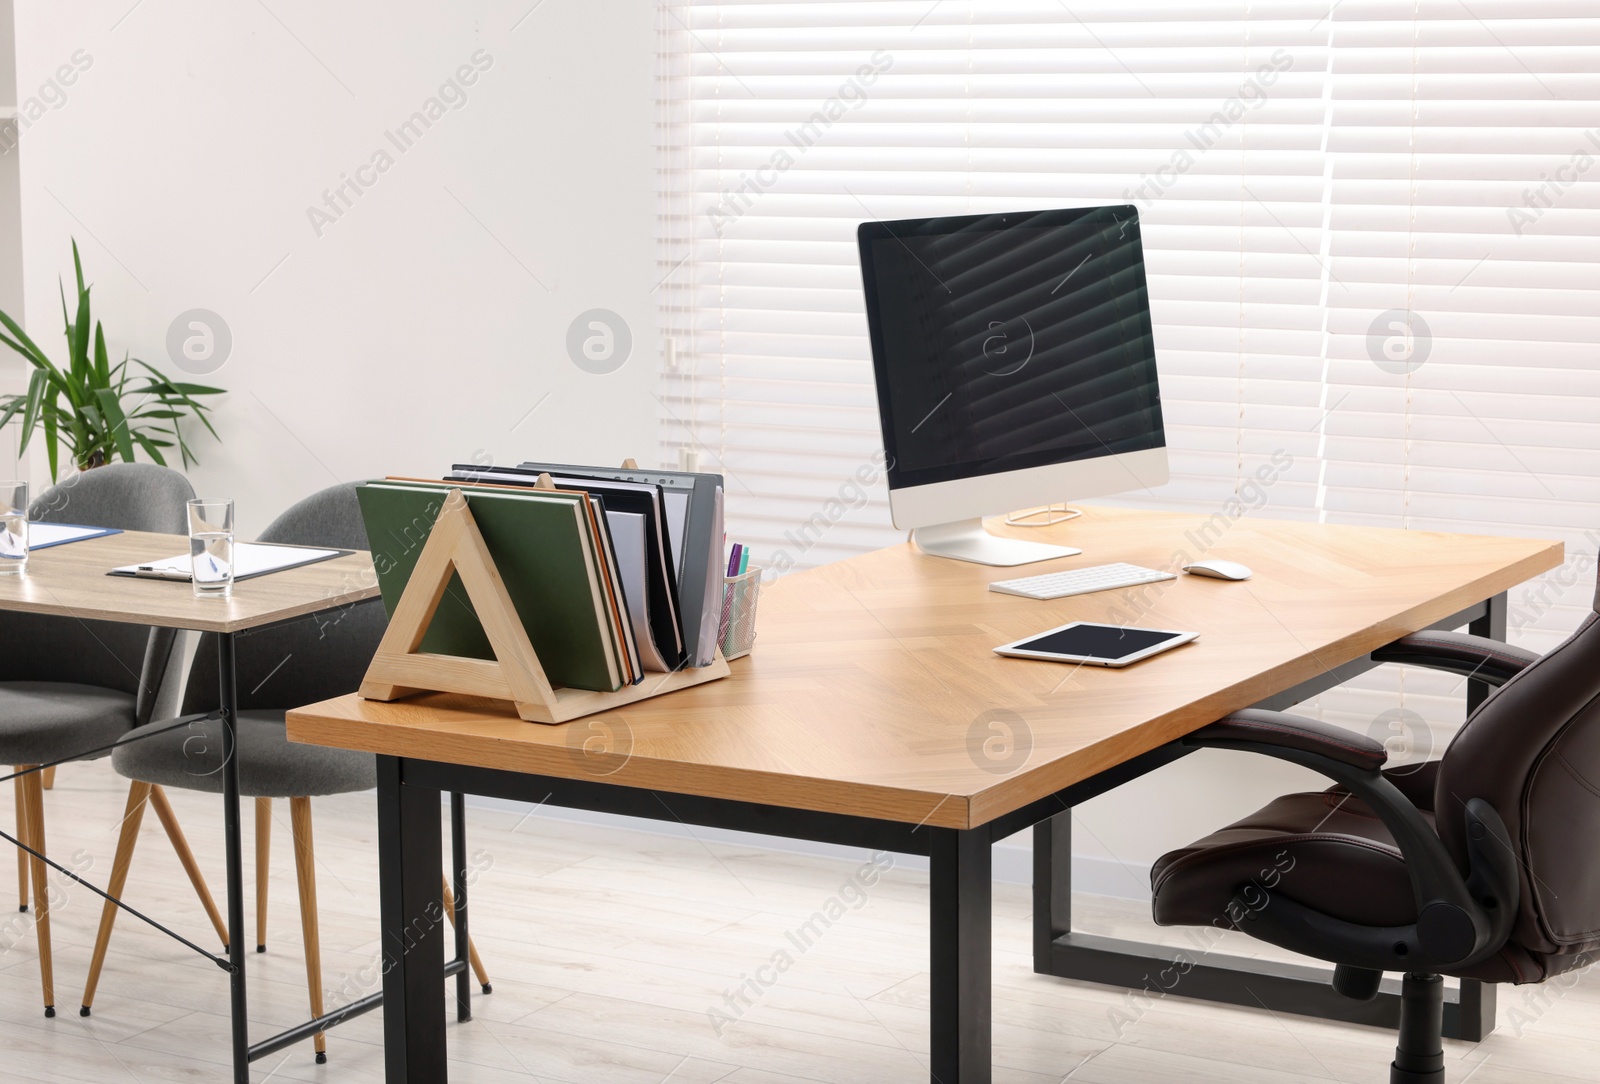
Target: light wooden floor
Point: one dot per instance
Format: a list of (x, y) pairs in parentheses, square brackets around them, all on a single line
[(608, 949)]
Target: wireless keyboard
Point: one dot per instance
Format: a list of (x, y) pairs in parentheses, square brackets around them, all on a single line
[(1080, 581)]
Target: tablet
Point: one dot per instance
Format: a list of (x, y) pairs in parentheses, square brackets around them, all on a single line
[(1097, 645)]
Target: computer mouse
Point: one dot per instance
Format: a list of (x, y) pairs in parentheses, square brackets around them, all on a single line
[(1219, 570)]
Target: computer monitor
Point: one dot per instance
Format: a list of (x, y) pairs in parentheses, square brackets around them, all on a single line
[(1015, 367)]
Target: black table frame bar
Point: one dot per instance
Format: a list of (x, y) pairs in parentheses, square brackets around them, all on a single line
[(410, 796), (1152, 972), (243, 1051)]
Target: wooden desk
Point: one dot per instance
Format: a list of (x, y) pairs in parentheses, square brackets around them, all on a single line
[(70, 581), (874, 712)]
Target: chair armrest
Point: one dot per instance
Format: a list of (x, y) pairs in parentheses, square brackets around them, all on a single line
[(1453, 927), (1489, 661), (1285, 731)]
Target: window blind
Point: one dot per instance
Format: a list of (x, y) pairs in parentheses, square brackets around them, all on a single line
[(1369, 230), (791, 123)]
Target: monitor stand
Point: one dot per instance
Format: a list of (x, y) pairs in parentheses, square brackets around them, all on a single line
[(966, 540)]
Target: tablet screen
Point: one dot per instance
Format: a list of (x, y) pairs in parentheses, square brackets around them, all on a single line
[(1097, 641)]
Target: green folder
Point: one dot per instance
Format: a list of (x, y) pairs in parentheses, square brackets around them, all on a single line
[(538, 543)]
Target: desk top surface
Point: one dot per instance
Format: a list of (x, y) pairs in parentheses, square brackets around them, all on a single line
[(70, 580), (874, 691)]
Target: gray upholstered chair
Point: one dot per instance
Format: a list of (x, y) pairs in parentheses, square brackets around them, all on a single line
[(282, 667), (69, 686)]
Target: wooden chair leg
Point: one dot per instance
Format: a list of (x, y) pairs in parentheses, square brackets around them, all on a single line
[(169, 821), (33, 796), (49, 777), (22, 834), (306, 874), (127, 839), (472, 947), (263, 853)]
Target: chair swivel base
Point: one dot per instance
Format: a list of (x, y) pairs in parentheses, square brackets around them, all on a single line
[(1419, 1053)]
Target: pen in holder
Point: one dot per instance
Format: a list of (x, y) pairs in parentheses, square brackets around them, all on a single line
[(737, 633)]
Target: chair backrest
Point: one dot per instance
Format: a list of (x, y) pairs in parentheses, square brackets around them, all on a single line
[(1532, 750), (133, 497), (310, 659)]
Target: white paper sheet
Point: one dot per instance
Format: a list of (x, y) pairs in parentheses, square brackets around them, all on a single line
[(249, 559), (50, 534)]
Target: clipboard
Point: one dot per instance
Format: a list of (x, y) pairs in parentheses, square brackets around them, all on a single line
[(178, 568), (67, 533)]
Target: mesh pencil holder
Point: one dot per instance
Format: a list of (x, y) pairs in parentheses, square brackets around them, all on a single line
[(737, 633)]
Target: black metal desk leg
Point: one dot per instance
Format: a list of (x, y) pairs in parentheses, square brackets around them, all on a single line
[(229, 707), (458, 875), (1493, 625), (412, 912), (1052, 887), (960, 929)]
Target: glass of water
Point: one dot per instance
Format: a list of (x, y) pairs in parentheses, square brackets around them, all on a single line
[(13, 527), (211, 546)]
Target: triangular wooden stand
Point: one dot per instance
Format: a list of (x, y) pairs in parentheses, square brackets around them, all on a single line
[(398, 669)]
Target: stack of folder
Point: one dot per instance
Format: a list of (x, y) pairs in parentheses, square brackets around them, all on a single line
[(595, 567)]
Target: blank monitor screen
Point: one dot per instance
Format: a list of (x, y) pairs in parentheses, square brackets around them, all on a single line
[(1007, 341)]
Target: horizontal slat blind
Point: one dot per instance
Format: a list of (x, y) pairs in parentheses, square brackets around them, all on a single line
[(789, 123), (1460, 144)]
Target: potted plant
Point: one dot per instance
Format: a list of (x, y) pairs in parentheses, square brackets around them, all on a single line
[(94, 410)]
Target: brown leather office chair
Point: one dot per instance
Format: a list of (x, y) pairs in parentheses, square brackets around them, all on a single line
[(1483, 864)]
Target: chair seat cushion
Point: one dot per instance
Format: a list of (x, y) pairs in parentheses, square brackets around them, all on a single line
[(43, 721), (1326, 850), (270, 765)]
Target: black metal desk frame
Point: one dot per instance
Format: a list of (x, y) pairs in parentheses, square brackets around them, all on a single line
[(410, 835), (1154, 970)]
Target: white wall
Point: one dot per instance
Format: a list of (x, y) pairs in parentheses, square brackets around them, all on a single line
[(12, 370), (414, 330)]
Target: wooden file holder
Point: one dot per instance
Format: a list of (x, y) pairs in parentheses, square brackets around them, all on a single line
[(398, 669)]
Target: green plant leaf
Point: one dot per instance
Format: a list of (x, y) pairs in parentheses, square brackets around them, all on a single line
[(174, 394), (24, 345), (32, 406), (50, 445), (10, 407), (79, 338), (153, 448), (116, 423), (102, 363), (66, 316)]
